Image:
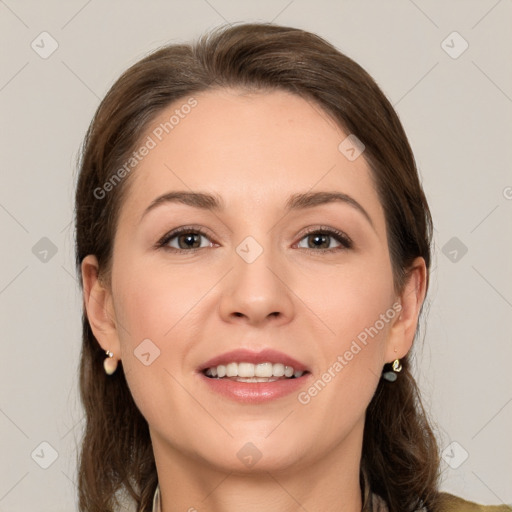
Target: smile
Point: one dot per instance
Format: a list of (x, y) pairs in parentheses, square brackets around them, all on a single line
[(249, 372)]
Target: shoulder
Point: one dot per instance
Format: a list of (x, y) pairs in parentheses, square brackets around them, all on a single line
[(450, 503)]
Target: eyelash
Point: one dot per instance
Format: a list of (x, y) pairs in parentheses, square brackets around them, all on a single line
[(345, 241)]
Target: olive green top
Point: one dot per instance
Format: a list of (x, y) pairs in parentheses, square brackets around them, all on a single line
[(449, 503)]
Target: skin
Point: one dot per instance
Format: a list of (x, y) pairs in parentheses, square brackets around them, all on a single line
[(254, 150)]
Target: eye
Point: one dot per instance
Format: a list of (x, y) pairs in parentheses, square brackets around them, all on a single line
[(320, 238), (188, 239)]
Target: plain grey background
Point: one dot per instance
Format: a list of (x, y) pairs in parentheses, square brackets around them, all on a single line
[(453, 93)]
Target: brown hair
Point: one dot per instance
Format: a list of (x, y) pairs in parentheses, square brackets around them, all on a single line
[(400, 460)]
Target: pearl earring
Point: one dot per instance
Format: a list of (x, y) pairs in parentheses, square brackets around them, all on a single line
[(109, 364)]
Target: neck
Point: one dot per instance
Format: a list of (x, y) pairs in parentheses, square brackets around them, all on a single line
[(330, 484)]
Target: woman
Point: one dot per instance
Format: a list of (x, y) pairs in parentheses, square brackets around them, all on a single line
[(254, 246)]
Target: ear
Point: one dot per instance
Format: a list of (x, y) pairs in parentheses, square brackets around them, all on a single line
[(402, 332), (99, 307)]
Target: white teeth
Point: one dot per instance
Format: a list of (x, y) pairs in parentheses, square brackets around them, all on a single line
[(278, 370), (263, 370), (248, 372), (232, 370)]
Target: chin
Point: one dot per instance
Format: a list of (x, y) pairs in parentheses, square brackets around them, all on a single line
[(249, 454)]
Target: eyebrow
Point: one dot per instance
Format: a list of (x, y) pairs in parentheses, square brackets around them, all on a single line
[(300, 201)]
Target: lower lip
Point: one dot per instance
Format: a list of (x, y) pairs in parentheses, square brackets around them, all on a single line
[(254, 392)]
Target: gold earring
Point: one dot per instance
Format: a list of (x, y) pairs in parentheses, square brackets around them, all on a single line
[(391, 376), (110, 364)]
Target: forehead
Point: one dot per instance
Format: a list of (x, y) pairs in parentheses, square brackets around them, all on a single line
[(252, 149)]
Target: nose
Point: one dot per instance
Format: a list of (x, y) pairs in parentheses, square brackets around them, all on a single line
[(257, 292)]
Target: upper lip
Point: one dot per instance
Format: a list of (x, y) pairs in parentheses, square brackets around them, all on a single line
[(267, 355)]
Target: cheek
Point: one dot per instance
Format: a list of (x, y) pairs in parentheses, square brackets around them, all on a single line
[(350, 369), (148, 306), (154, 309), (358, 313), (153, 301), (351, 300)]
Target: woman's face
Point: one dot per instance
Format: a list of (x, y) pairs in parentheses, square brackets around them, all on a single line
[(247, 275)]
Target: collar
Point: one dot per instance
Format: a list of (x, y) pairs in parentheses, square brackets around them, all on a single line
[(156, 500)]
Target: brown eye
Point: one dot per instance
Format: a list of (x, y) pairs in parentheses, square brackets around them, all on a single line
[(189, 240), (322, 239), (184, 239)]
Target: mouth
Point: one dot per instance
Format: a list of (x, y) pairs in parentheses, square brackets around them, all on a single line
[(254, 377), (246, 364)]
